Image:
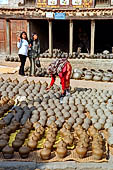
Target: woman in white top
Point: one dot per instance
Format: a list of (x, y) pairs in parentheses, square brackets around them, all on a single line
[(22, 44)]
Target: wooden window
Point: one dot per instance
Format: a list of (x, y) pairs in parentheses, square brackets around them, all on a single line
[(30, 2), (102, 2)]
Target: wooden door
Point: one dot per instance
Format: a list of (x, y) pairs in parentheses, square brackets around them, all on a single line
[(2, 35), (16, 27)]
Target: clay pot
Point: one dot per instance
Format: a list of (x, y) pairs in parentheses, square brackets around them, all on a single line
[(97, 153), (45, 153), (17, 124), (21, 136), (51, 134), (8, 152), (77, 75), (17, 144), (48, 145), (50, 138), (92, 131), (97, 78), (6, 107), (15, 81), (1, 79), (67, 126), (61, 152), (3, 143), (25, 131), (34, 137), (2, 132), (13, 128), (9, 80), (24, 151), (62, 131), (88, 77), (25, 81), (28, 125), (106, 78), (96, 145), (79, 132), (81, 151), (83, 143), (4, 137), (61, 144), (68, 140), (37, 135), (7, 130), (53, 125), (11, 102), (32, 144), (40, 130), (2, 124)]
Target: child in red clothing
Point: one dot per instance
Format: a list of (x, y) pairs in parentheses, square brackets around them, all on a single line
[(62, 68)]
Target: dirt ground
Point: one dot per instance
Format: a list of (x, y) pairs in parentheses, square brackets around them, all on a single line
[(74, 83)]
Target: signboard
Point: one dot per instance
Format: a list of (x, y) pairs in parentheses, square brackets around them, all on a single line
[(60, 15), (49, 14), (111, 2), (76, 2), (52, 2), (64, 2), (3, 2)]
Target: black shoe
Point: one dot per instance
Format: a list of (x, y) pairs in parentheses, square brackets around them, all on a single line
[(22, 74), (68, 92), (61, 97)]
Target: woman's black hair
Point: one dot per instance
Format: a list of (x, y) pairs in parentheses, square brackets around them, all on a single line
[(33, 36), (22, 34)]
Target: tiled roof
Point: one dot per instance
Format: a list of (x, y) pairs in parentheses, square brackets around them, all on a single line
[(70, 13)]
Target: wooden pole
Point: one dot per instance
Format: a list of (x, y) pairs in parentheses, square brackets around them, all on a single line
[(28, 29), (8, 37), (92, 37), (50, 38), (71, 37)]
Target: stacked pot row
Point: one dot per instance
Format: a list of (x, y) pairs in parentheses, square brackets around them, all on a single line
[(40, 72), (12, 59), (92, 74)]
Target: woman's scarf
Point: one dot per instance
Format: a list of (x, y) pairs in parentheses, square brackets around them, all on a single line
[(57, 66)]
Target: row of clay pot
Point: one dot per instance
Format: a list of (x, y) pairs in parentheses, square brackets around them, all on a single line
[(92, 74), (49, 142), (5, 105), (35, 137), (5, 134), (12, 59), (40, 72), (60, 54)]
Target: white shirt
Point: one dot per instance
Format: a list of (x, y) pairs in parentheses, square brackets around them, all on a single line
[(23, 47)]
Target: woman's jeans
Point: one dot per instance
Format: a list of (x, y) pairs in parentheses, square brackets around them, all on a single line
[(22, 60), (32, 66)]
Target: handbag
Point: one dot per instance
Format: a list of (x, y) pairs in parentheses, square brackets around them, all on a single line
[(38, 64)]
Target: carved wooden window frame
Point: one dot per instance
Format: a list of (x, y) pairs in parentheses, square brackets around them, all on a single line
[(102, 2), (30, 2)]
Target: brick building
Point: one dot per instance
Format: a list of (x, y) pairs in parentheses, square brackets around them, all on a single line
[(60, 24)]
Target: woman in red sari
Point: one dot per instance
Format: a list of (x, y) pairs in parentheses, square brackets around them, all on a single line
[(63, 69)]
